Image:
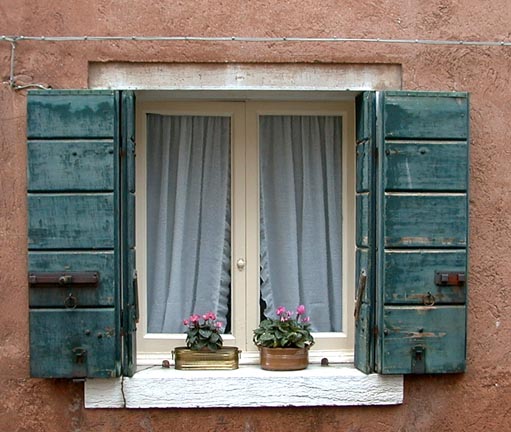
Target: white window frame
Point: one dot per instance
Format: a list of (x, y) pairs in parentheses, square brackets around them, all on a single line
[(153, 348), (338, 347), (336, 385)]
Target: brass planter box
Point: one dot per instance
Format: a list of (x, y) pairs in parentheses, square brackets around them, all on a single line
[(225, 358)]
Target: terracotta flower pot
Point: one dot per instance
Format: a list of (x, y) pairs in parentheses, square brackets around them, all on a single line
[(284, 359)]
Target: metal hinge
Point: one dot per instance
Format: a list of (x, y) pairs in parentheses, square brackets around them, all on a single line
[(418, 360), (450, 278), (122, 323)]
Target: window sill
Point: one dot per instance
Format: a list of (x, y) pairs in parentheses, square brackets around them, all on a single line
[(248, 386)]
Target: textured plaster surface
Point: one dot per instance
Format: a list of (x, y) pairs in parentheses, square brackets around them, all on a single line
[(477, 400)]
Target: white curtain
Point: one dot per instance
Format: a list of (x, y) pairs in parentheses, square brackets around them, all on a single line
[(301, 218), (188, 219)]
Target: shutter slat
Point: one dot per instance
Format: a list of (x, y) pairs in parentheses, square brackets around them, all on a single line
[(86, 296), (409, 276), (73, 114), (79, 221), (437, 332), (425, 166), (70, 165), (58, 337), (409, 115), (425, 220)]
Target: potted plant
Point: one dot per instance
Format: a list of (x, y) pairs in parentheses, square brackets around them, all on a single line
[(203, 333), (204, 345), (284, 341)]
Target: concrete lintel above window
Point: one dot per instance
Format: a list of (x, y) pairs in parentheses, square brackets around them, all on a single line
[(248, 386), (245, 78)]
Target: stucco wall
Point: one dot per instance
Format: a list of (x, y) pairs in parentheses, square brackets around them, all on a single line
[(477, 400)]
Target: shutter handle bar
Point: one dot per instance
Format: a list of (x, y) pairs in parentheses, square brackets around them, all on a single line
[(362, 280)]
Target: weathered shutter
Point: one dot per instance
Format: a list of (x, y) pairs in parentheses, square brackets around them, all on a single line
[(422, 220), (76, 233), (129, 273), (412, 317), (366, 231)]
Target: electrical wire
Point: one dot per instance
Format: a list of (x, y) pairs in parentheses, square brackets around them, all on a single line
[(253, 39)]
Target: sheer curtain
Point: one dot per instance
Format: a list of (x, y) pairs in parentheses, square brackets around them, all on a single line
[(301, 218), (188, 219)]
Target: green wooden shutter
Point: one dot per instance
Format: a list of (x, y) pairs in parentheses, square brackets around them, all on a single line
[(129, 273), (421, 223), (75, 206), (366, 231)]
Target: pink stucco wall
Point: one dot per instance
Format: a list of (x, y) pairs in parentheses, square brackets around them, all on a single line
[(477, 400)]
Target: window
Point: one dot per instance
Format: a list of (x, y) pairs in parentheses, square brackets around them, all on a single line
[(411, 229), (247, 167)]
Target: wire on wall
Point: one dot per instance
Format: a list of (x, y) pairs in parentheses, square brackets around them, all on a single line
[(252, 39), (12, 78)]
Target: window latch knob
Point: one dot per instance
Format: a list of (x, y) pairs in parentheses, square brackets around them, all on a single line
[(241, 264)]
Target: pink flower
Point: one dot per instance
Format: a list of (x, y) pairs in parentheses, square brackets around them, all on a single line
[(218, 324), (186, 322), (281, 310), (300, 310), (195, 318), (285, 316), (306, 319), (211, 316)]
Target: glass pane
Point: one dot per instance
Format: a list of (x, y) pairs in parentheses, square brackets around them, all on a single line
[(188, 220), (301, 216)]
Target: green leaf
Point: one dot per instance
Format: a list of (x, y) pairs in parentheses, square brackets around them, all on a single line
[(205, 333)]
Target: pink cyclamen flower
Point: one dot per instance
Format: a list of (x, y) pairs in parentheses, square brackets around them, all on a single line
[(284, 317), (186, 322), (218, 324), (300, 310), (306, 319), (211, 316), (281, 310), (195, 318)]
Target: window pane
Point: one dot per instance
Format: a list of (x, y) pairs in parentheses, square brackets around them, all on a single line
[(300, 232), (188, 219)]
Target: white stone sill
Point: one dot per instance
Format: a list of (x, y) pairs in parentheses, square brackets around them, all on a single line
[(248, 386)]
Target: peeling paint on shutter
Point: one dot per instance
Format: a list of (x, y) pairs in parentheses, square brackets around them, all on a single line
[(74, 226), (423, 214)]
